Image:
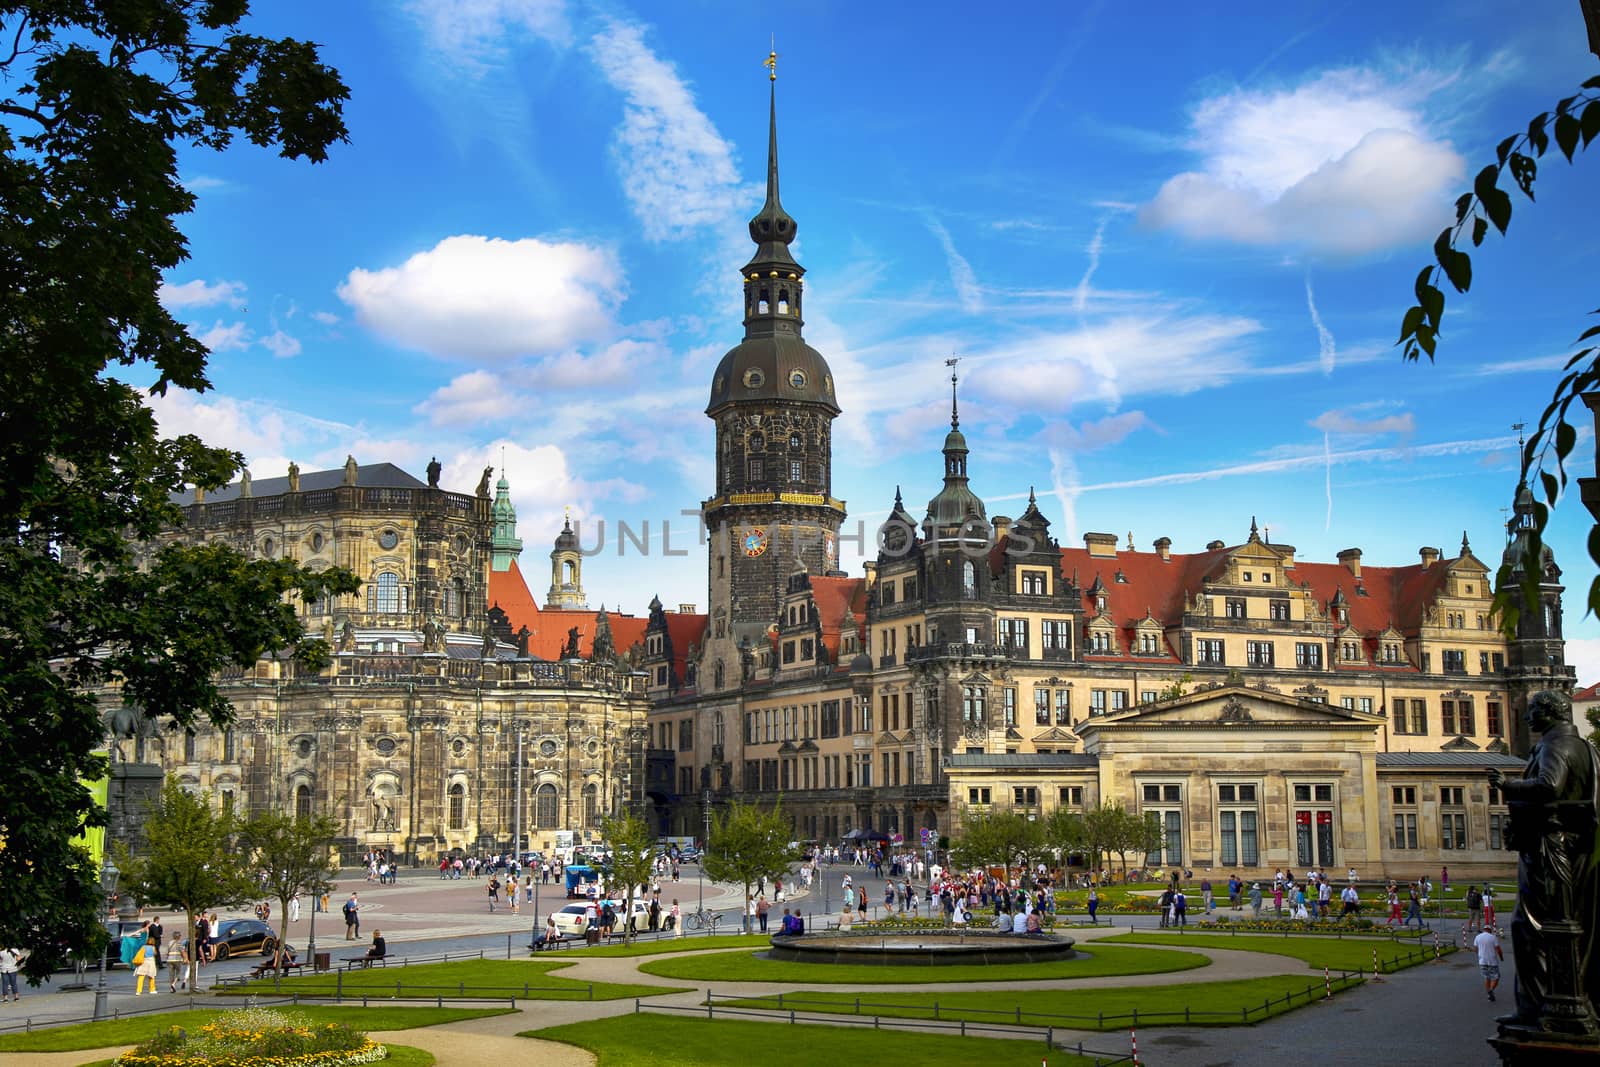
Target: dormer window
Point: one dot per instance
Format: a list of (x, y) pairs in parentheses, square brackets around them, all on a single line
[(1100, 602)]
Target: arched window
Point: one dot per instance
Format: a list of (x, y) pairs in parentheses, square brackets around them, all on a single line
[(718, 675), (794, 442), (458, 806), (302, 802), (591, 805), (969, 580), (460, 589), (783, 301), (385, 594), (452, 606), (544, 806), (188, 748), (716, 729), (569, 572), (228, 753)]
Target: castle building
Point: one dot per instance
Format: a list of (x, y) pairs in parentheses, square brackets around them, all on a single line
[(435, 728), (1263, 709), (1266, 710)]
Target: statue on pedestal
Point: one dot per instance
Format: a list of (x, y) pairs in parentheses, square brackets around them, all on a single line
[(1554, 828)]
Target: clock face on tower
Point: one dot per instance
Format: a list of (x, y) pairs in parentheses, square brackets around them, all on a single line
[(755, 542)]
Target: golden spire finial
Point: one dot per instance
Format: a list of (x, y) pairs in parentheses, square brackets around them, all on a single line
[(772, 60)]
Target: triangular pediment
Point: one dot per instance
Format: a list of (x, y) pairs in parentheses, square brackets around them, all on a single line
[(1458, 744), (1055, 735), (887, 738), (1232, 704)]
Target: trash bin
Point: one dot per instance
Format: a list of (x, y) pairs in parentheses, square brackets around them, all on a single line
[(321, 961), (592, 935)]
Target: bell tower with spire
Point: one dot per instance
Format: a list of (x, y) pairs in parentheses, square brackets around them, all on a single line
[(1536, 657), (772, 400)]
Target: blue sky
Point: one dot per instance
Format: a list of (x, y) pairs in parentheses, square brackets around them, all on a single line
[(1171, 247)]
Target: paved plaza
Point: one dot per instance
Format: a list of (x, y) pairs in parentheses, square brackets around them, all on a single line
[(1433, 1013)]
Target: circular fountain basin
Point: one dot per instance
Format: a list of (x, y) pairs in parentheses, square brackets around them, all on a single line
[(929, 948)]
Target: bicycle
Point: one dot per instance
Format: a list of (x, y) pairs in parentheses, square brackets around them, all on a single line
[(702, 919)]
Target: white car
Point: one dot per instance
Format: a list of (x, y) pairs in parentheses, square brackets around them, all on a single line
[(574, 920)]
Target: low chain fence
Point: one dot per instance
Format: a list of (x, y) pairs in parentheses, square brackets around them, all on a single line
[(712, 1010), (1016, 1016)]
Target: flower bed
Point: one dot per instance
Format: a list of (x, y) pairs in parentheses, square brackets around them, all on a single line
[(256, 1037), (1223, 923)]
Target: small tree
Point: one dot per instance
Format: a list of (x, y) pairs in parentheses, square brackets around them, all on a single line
[(748, 844), (1065, 831), (191, 860), (292, 856), (632, 855), (999, 838)]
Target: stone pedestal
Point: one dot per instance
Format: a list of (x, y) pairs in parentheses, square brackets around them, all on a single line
[(134, 790), (1528, 1051)]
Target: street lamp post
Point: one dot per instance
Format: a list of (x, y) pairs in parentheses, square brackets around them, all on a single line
[(705, 842), (108, 882)]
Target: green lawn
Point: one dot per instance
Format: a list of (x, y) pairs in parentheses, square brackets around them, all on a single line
[(399, 1056), (1316, 951), (1209, 1003), (655, 1040), (1095, 962), (492, 978), (675, 944), (131, 1031)]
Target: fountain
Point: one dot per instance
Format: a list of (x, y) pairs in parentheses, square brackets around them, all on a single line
[(924, 948)]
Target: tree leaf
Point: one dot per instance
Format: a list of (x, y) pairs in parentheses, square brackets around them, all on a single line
[(1503, 149), (1463, 205), (1432, 300), (1538, 139), (1566, 438), (1590, 332), (1552, 488), (1479, 228), (1408, 325), (1424, 282), (1427, 339), (1590, 121), (1523, 171), (1493, 198), (1568, 130)]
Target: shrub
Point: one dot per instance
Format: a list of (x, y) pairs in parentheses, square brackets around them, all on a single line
[(255, 1037)]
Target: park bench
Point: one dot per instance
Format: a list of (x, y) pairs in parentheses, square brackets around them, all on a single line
[(352, 962)]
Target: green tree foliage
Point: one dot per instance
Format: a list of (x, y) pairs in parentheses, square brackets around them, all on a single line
[(97, 99), (1111, 829), (632, 856), (1067, 832), (1573, 124), (192, 860), (291, 856), (999, 839), (747, 844)]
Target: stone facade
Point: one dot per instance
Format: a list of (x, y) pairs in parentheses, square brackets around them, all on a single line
[(410, 737)]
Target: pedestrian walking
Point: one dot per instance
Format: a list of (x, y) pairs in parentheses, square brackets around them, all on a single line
[(1489, 956), (352, 918), (10, 964), (294, 908), (177, 964)]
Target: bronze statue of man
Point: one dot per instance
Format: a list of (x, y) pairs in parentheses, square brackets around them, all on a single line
[(1554, 828)]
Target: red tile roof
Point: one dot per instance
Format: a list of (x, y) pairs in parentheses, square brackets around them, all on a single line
[(548, 627), (835, 596), (1392, 595)]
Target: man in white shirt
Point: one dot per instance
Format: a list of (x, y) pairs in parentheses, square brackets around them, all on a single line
[(1489, 957)]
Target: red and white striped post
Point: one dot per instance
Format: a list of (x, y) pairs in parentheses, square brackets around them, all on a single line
[(1436, 953), (1327, 981), (1133, 1035), (1377, 975)]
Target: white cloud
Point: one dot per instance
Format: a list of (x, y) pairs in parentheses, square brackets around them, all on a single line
[(1093, 434), (1348, 422), (281, 345), (1327, 351), (1584, 655), (484, 297), (475, 35), (1343, 164), (677, 170), (201, 293), (265, 434), (327, 318), (614, 366), (1172, 357), (961, 273), (474, 397), (225, 337), (543, 487)]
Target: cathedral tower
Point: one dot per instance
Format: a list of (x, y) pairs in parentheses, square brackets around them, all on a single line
[(773, 403), (566, 572)]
